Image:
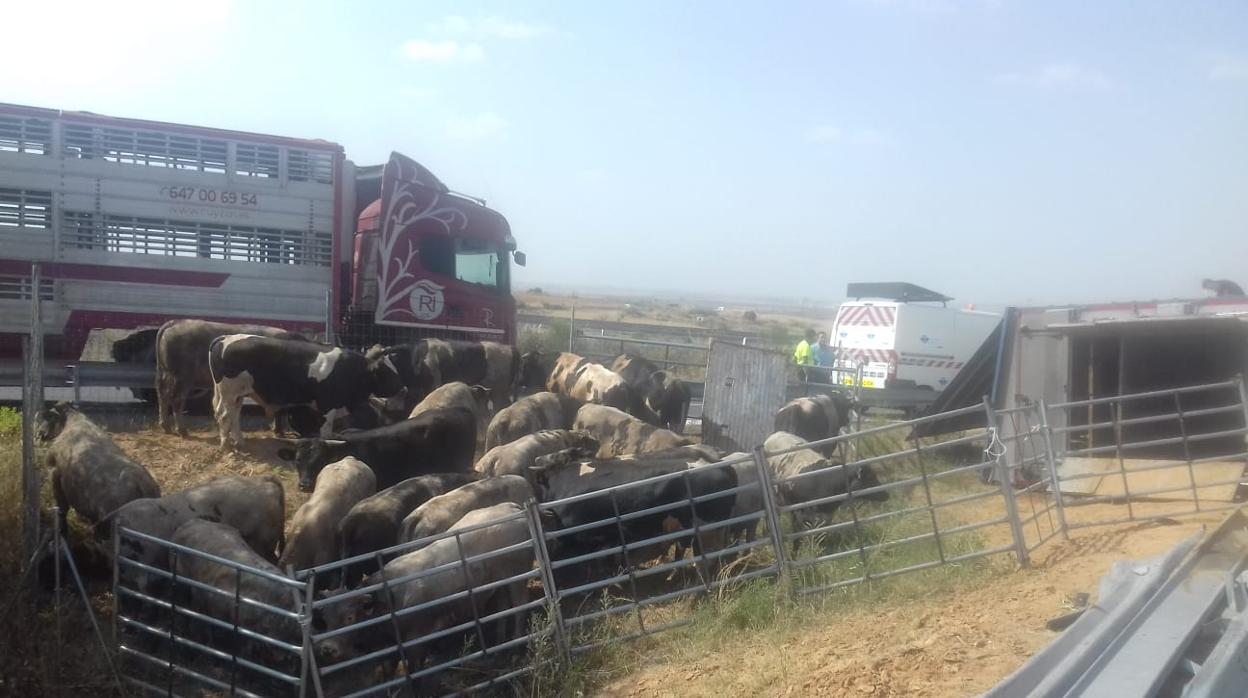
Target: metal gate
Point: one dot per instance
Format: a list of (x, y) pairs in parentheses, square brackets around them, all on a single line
[(745, 387)]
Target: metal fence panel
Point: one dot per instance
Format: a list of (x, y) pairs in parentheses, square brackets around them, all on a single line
[(891, 503), (1159, 454), (235, 630), (745, 386)]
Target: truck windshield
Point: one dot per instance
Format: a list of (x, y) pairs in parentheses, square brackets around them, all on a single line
[(477, 262)]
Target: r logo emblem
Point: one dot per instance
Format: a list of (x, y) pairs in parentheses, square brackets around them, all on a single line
[(426, 299)]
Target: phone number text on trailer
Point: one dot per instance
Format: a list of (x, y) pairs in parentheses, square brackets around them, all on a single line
[(201, 195)]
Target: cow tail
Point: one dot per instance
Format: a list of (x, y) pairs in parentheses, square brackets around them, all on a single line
[(215, 350), (515, 375), (160, 364), (281, 500)]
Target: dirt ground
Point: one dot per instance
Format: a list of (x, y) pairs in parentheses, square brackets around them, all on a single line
[(181, 463), (957, 642)]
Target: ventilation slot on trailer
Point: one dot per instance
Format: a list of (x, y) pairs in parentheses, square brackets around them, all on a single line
[(17, 288), (135, 235), (25, 208), (309, 166), (256, 160), (20, 134), (144, 147)]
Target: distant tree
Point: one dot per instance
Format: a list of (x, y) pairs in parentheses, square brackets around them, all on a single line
[(749, 316), (536, 290)]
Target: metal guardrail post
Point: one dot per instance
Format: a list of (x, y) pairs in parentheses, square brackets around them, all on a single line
[(75, 383), (547, 572), (767, 490), (31, 402), (1007, 487), (1050, 457), (329, 317)]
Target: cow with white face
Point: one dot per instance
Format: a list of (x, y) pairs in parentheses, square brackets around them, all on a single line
[(280, 374)]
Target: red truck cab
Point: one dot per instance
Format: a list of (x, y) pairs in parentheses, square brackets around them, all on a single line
[(429, 261)]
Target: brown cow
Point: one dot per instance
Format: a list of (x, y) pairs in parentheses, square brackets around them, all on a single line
[(577, 377)]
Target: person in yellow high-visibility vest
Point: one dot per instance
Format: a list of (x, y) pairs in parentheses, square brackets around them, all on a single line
[(804, 354)]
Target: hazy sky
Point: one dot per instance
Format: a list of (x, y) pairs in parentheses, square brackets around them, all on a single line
[(995, 151)]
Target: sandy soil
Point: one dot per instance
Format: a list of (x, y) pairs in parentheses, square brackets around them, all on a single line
[(955, 643)]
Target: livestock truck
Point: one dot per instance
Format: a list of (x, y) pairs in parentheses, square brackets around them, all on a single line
[(909, 343), (137, 222)]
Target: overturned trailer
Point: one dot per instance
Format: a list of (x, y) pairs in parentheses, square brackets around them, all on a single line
[(1077, 360)]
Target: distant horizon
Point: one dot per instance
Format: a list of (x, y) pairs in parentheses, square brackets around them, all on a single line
[(832, 302)]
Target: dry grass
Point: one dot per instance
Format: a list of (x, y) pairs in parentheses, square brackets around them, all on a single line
[(37, 661)]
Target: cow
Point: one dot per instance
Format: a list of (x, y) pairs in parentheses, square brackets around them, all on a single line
[(658, 397), (429, 363), (556, 479), (237, 606), (441, 512), (816, 418), (256, 507), (620, 434), (577, 377), (479, 538), (90, 473), (305, 421), (438, 441), (182, 362), (456, 394), (832, 479), (373, 524), (529, 415), (749, 498), (314, 530), (281, 373), (516, 457)]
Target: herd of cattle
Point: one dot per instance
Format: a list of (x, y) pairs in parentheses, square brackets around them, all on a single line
[(387, 447)]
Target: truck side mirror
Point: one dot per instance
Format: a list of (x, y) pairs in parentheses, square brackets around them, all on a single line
[(520, 258)]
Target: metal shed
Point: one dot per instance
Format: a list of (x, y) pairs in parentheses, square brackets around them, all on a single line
[(745, 386)]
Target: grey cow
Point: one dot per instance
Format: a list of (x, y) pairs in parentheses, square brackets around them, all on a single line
[(314, 529), (621, 434), (256, 507), (90, 473), (531, 414), (833, 478), (373, 524), (441, 512), (226, 542), (516, 457), (478, 539)]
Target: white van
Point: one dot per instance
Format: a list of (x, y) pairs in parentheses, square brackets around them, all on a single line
[(905, 336)]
